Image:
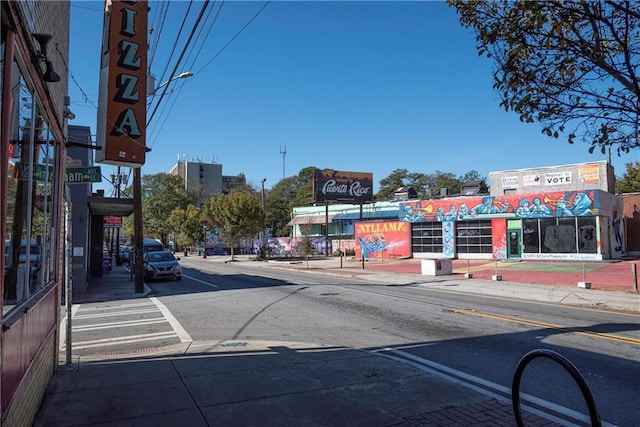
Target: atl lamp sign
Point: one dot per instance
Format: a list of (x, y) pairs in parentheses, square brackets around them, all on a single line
[(123, 81)]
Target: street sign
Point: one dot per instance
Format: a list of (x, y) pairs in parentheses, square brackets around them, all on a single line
[(40, 172), (82, 175)]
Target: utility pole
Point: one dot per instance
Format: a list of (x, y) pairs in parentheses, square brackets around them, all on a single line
[(262, 233), (137, 230)]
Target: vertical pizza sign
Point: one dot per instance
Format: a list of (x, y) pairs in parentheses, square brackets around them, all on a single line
[(122, 109)]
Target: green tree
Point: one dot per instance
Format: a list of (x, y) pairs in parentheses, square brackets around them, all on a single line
[(293, 191), (401, 178), (630, 182), (161, 194), (187, 223), (306, 248), (442, 180), (570, 65), (427, 186), (472, 176), (237, 215)]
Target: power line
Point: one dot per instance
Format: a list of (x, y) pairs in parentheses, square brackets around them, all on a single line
[(233, 38), (175, 68)]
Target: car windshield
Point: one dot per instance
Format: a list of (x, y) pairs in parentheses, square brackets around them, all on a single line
[(160, 256)]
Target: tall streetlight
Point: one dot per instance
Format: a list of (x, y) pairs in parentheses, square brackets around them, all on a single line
[(138, 237), (151, 81), (204, 242), (262, 233)]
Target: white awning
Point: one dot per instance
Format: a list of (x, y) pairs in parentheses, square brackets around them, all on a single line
[(310, 219)]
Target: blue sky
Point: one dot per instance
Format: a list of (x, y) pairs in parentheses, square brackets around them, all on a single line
[(351, 86)]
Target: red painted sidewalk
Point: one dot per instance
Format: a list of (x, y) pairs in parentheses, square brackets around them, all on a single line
[(603, 275)]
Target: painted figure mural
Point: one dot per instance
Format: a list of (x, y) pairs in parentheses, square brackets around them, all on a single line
[(543, 205)]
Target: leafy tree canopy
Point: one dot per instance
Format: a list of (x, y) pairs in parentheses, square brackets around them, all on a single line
[(161, 194), (187, 224), (428, 186), (287, 194), (630, 182), (237, 215), (570, 65)]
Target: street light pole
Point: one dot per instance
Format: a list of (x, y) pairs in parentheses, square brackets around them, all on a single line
[(138, 268), (138, 231), (151, 89), (262, 233), (204, 242)]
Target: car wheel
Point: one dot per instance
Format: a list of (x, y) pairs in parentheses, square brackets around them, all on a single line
[(179, 278)]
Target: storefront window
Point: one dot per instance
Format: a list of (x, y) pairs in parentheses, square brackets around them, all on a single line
[(474, 237), (560, 235), (29, 261), (530, 236), (587, 241), (426, 237)]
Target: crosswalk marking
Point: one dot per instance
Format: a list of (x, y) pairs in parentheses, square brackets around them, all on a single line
[(180, 331), (113, 314), (124, 323), (122, 340), (87, 319)]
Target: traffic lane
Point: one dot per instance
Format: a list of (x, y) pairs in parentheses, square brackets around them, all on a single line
[(433, 327), (198, 279)]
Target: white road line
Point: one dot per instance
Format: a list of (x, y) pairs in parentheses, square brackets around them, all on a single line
[(63, 325), (122, 324), (180, 331), (459, 377), (146, 303), (122, 340), (200, 281), (114, 314)]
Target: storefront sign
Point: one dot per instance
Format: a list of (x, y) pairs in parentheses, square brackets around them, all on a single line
[(123, 82), (112, 222)]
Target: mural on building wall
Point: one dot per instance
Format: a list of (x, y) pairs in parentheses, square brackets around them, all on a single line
[(449, 239), (286, 246), (538, 205), (499, 239), (382, 239)]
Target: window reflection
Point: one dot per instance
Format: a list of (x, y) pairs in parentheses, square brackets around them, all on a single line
[(28, 258)]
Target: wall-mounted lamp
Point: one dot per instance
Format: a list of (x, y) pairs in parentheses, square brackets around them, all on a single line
[(68, 114), (49, 74)]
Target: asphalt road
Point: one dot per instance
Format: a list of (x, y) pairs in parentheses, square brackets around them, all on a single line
[(468, 337)]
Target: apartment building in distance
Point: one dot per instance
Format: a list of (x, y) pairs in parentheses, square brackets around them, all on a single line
[(205, 179)]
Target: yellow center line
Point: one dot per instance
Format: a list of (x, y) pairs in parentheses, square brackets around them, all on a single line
[(611, 337)]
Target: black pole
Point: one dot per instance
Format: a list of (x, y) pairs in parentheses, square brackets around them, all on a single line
[(137, 230), (361, 248), (326, 229)]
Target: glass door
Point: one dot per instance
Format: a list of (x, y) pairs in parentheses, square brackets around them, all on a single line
[(514, 246)]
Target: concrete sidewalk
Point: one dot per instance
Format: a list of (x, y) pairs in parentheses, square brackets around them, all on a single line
[(263, 383)]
